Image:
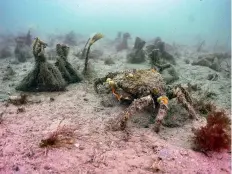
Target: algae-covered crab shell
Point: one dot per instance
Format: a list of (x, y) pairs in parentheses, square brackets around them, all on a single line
[(141, 82), (137, 83)]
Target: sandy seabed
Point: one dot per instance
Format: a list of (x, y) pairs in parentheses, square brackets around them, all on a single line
[(95, 150)]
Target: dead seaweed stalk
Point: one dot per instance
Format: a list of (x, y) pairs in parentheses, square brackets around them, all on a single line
[(62, 136), (95, 38)]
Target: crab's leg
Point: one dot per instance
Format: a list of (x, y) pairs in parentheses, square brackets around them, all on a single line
[(181, 97), (162, 112), (98, 82), (137, 105)]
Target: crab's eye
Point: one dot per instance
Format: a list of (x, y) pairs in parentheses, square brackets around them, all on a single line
[(155, 91), (144, 90)]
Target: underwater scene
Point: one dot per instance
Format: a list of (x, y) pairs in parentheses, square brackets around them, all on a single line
[(115, 87)]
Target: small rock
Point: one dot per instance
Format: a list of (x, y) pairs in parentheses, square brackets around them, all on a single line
[(1, 115), (52, 99), (15, 168), (216, 65), (184, 152), (219, 157), (213, 77), (11, 85), (187, 61), (85, 99), (46, 167), (109, 61), (20, 109), (81, 147), (77, 145), (224, 170), (157, 166), (202, 62), (98, 109)]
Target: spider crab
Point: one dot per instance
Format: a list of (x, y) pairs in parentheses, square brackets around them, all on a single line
[(143, 88)]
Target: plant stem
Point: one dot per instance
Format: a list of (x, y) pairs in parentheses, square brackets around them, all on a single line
[(86, 60)]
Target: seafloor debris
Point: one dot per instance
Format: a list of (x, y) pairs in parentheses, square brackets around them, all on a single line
[(157, 166), (216, 135), (212, 61), (44, 76), (68, 72), (20, 109), (5, 52), (163, 55), (162, 61), (52, 99), (137, 55), (70, 38), (9, 73), (1, 116), (109, 61), (167, 70), (187, 61), (213, 77), (123, 45), (61, 137), (18, 99), (200, 46), (22, 50), (143, 88), (119, 37), (26, 39)]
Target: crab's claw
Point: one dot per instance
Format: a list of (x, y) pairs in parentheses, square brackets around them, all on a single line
[(118, 96)]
